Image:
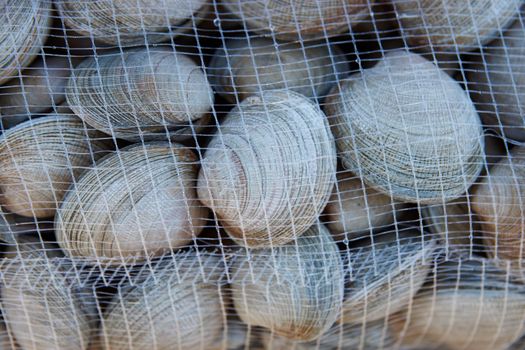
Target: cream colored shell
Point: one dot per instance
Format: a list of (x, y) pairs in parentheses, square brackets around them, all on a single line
[(24, 28), (295, 290), (130, 22), (296, 20), (244, 67), (383, 275), (407, 129), (453, 25), (498, 201), (472, 306), (269, 170), (137, 203), (139, 92), (43, 306), (41, 158), (180, 308)]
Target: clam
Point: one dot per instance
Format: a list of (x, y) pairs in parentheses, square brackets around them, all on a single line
[(41, 158), (407, 129), (299, 20), (295, 290), (269, 170), (453, 25), (40, 89), (373, 335), (497, 83), (136, 203), (25, 25), (498, 202), (471, 305), (247, 66), (454, 222), (44, 306), (356, 210), (139, 93), (131, 22), (180, 302), (385, 274)]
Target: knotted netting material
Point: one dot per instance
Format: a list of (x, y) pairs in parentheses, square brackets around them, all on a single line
[(262, 174)]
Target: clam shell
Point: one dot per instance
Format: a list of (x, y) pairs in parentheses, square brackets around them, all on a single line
[(453, 25), (374, 335), (136, 203), (296, 20), (244, 67), (454, 222), (43, 306), (356, 210), (131, 22), (384, 275), (407, 129), (25, 25), (498, 202), (268, 172), (497, 83), (295, 290), (41, 158), (181, 303), (140, 91), (40, 88), (472, 305)]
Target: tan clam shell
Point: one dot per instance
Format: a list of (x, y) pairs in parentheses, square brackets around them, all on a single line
[(7, 340), (497, 83), (498, 202), (41, 88), (134, 204), (269, 170), (472, 305), (131, 22), (182, 303), (138, 92), (374, 335), (295, 290), (244, 67), (41, 158), (454, 222), (25, 25), (407, 129), (453, 25), (43, 306), (384, 275), (294, 19), (356, 210)]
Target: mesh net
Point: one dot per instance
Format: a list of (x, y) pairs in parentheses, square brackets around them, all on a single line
[(262, 174)]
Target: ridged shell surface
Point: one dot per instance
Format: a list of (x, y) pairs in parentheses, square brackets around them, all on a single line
[(300, 19), (407, 129), (182, 308), (385, 274), (295, 290), (138, 92), (41, 158), (473, 306), (137, 203), (44, 307), (269, 170), (24, 28), (450, 25), (130, 22)]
